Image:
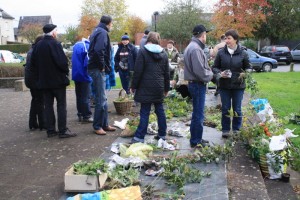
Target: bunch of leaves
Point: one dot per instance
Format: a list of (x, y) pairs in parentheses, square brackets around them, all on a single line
[(213, 117), (251, 84), (178, 172), (121, 177), (133, 123), (90, 168), (177, 107)]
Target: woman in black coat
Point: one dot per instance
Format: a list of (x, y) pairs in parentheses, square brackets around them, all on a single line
[(151, 83), (230, 65), (36, 114)]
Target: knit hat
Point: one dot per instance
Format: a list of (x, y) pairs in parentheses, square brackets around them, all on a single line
[(171, 42), (48, 28), (125, 37), (146, 32)]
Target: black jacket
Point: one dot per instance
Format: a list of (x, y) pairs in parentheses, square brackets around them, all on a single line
[(99, 50), (151, 77), (238, 62), (131, 57), (49, 64), (30, 79)]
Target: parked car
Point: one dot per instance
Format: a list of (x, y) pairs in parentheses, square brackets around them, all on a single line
[(278, 52), (296, 53), (18, 56), (8, 57), (261, 63)]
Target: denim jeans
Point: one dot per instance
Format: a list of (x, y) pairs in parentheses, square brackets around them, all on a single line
[(125, 79), (232, 97), (82, 91), (100, 114), (60, 95), (198, 92), (144, 120)]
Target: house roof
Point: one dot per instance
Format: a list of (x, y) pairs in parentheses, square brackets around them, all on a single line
[(42, 20), (5, 15)]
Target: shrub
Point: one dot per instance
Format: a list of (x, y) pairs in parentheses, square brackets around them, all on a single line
[(249, 43), (16, 48), (11, 70)]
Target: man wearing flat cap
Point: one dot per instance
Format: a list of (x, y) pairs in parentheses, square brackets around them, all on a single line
[(198, 74), (50, 66)]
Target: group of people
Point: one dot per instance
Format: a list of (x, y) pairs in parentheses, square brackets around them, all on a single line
[(144, 72)]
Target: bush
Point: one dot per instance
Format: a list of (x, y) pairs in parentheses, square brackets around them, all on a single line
[(16, 48), (250, 44), (11, 70)]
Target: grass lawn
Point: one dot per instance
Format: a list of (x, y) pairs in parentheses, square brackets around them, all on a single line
[(12, 64), (282, 92), (118, 84)]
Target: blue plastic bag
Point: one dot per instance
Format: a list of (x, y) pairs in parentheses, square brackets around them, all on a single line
[(259, 104), (87, 196)]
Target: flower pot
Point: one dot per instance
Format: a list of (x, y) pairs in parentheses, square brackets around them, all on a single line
[(285, 177)]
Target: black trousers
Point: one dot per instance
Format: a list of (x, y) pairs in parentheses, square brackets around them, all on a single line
[(60, 96), (36, 114)]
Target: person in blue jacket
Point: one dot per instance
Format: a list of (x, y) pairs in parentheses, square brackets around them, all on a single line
[(124, 61), (82, 80)]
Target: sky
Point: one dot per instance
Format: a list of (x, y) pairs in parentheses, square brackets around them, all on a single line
[(67, 12)]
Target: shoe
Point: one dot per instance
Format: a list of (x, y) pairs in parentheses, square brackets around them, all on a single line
[(109, 128), (157, 137), (100, 132), (133, 141), (79, 119), (225, 134), (200, 145), (52, 134), (67, 134), (235, 132), (88, 120)]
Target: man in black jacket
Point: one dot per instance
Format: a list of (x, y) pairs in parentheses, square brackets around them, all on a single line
[(50, 66), (99, 64)]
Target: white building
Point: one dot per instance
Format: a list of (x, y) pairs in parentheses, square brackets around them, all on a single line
[(6, 28)]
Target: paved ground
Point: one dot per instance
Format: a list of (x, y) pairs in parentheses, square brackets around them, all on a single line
[(32, 166), (282, 67)]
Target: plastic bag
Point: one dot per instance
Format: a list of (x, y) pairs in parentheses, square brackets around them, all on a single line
[(140, 150), (259, 104)]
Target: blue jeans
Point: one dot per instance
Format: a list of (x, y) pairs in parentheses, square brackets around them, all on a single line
[(198, 92), (144, 120), (125, 78), (234, 97), (100, 114), (82, 91)]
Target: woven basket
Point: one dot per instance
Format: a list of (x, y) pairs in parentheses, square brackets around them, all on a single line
[(123, 104)]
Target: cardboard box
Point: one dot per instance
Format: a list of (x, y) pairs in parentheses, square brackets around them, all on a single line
[(83, 183)]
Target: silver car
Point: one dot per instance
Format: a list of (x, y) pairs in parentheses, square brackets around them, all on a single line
[(296, 53)]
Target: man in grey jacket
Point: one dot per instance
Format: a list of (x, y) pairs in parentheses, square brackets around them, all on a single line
[(198, 74)]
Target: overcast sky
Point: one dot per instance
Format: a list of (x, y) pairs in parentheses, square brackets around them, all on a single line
[(67, 12)]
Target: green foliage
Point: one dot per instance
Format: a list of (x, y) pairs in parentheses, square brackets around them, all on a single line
[(90, 168), (71, 34), (177, 106), (16, 48), (121, 177), (11, 70), (178, 20), (282, 21), (250, 44), (117, 9)]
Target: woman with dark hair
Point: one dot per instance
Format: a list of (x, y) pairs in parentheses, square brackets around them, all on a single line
[(36, 113), (151, 83), (230, 65)]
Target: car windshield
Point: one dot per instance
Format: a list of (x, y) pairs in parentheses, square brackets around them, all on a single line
[(284, 49)]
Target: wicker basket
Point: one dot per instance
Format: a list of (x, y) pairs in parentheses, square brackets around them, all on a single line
[(123, 104)]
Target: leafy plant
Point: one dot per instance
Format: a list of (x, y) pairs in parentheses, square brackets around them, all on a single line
[(90, 168), (121, 177)]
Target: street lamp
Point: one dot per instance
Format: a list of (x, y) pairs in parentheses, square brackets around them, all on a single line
[(155, 17)]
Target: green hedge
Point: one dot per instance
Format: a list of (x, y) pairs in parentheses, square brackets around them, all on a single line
[(16, 48), (12, 70)]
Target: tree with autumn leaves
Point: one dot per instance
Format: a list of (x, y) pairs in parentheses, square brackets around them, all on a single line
[(245, 16)]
